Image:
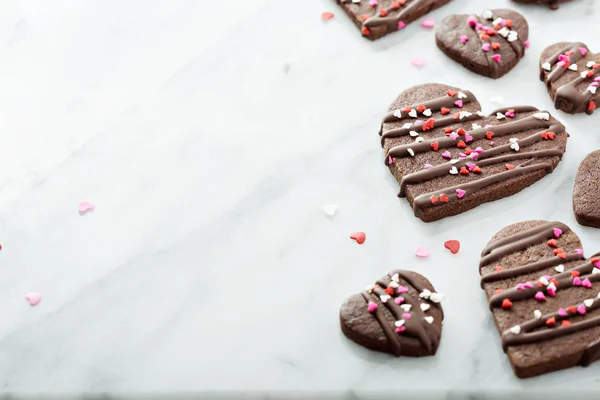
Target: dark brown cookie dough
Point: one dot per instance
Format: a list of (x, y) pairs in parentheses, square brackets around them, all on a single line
[(543, 294), (400, 314), (377, 18), (489, 45), (553, 4), (586, 191), (571, 74), (449, 157)]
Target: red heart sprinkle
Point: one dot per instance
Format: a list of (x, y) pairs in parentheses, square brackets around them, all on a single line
[(498, 291), (574, 273), (460, 131), (498, 268), (435, 146), (562, 255), (395, 5), (509, 166), (407, 109), (544, 135), (591, 106), (428, 125), (365, 17), (452, 245), (551, 135), (445, 110), (506, 303), (550, 321), (495, 45), (565, 323), (359, 237), (383, 12), (556, 251), (326, 15), (468, 151), (572, 309), (464, 171), (433, 199), (477, 170), (489, 135), (555, 281), (365, 31), (461, 144), (448, 130), (491, 32), (509, 23), (389, 290), (552, 243), (443, 198), (451, 93), (593, 260), (421, 108), (589, 74)]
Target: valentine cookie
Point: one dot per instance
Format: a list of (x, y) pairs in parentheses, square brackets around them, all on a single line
[(400, 314), (586, 191), (543, 294), (450, 157), (377, 18), (489, 45), (553, 4), (570, 72)]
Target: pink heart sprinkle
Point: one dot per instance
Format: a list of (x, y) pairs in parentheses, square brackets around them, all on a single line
[(33, 298), (390, 160), (421, 252), (597, 79), (486, 28), (551, 292), (560, 63), (562, 312), (563, 57), (586, 283), (576, 281), (427, 166), (540, 296), (478, 150), (471, 166), (527, 44), (579, 251), (373, 3), (595, 84), (464, 38), (479, 26), (528, 285), (406, 316), (460, 193), (492, 143), (417, 61), (547, 277), (459, 103), (454, 136), (428, 23), (581, 309), (497, 58), (400, 329), (401, 25), (510, 114), (557, 232), (462, 155), (520, 286), (468, 138), (471, 21), (85, 206), (583, 51), (447, 154), (474, 156), (402, 289), (486, 47), (399, 300), (372, 307)]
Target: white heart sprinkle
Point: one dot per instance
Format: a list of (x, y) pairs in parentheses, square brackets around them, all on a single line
[(516, 329), (427, 113), (411, 152), (488, 14), (394, 284), (595, 271), (397, 114), (476, 126), (429, 319), (406, 307), (590, 64), (330, 209), (425, 306), (356, 1), (546, 66), (425, 294), (453, 170), (592, 89), (588, 303), (542, 115), (407, 125), (512, 36), (497, 21), (544, 281), (537, 314), (436, 297), (396, 277), (385, 297), (461, 95), (500, 116), (515, 146), (584, 74), (504, 32), (413, 133), (599, 295), (480, 113), (413, 113), (513, 140), (399, 323), (419, 139), (573, 67), (560, 268), (464, 114)]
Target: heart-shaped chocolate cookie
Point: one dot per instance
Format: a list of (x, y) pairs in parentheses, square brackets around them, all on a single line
[(571, 74), (586, 196), (400, 314), (449, 157), (489, 45), (543, 294), (553, 4)]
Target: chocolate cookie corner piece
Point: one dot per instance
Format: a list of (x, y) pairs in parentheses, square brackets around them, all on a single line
[(571, 73), (552, 4), (449, 157), (586, 191), (543, 294), (489, 45), (377, 18), (400, 314)]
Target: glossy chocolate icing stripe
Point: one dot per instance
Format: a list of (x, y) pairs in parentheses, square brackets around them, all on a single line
[(557, 72), (392, 20), (528, 268), (520, 241), (488, 54), (391, 335)]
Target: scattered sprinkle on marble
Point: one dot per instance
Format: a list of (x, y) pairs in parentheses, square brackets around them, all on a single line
[(84, 207), (330, 209), (326, 15), (359, 237), (417, 61), (421, 252), (452, 245), (33, 298), (428, 23)]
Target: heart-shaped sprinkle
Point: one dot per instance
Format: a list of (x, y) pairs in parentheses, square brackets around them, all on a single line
[(446, 154), (326, 15), (540, 296), (421, 252), (576, 281), (429, 319), (509, 166), (435, 146), (586, 283), (581, 309), (413, 113), (557, 232), (588, 302), (559, 268), (537, 314), (330, 209), (562, 312), (551, 321), (552, 243), (406, 316), (579, 251), (371, 307), (402, 289), (460, 193), (428, 23), (453, 170), (444, 198), (436, 297), (399, 323), (572, 309), (583, 51), (384, 298), (452, 245), (427, 166), (516, 329), (500, 116), (399, 300), (359, 237), (33, 298), (425, 294), (464, 39), (459, 103), (417, 61), (425, 306), (85, 206), (406, 307), (506, 303), (497, 58)]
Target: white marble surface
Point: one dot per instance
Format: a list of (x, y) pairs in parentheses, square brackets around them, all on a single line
[(210, 135)]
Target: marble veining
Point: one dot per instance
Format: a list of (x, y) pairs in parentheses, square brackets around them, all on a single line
[(209, 135)]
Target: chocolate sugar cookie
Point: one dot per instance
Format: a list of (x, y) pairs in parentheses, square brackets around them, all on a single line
[(543, 294), (489, 45), (571, 73), (449, 157), (586, 191), (553, 4), (400, 314), (377, 18)]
